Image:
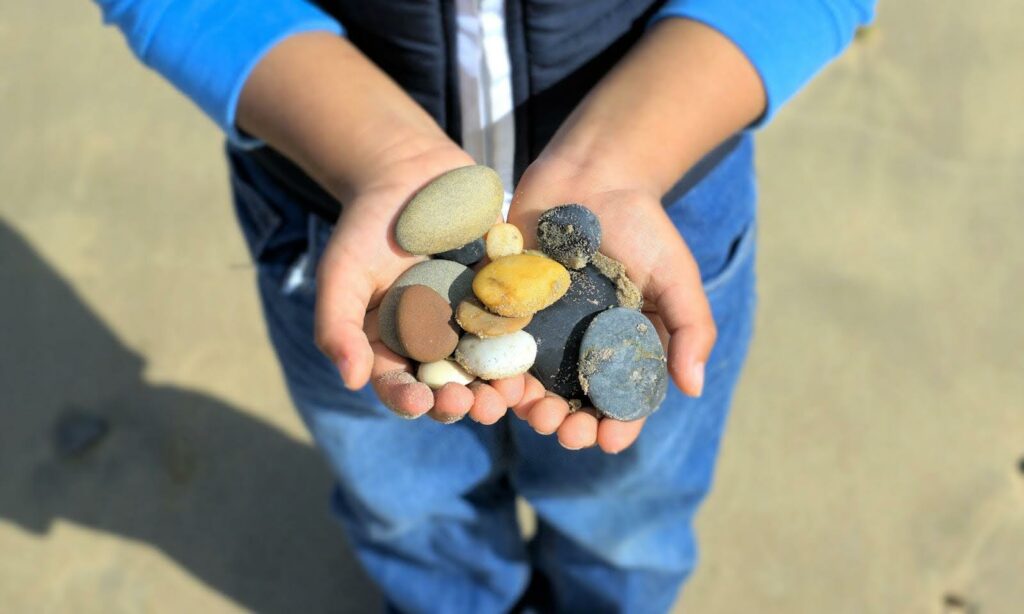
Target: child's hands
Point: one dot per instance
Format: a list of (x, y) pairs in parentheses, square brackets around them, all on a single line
[(639, 234), (360, 263)]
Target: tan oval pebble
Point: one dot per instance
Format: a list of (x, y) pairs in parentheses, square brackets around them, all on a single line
[(425, 326), (503, 240), (450, 211), (437, 374), (474, 318), (520, 285)]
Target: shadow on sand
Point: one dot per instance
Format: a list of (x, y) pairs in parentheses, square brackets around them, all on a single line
[(239, 504)]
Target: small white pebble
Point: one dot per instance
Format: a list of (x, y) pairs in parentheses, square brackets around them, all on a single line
[(503, 240), (437, 374)]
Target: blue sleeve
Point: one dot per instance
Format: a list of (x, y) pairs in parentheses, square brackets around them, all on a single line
[(207, 48), (787, 41)]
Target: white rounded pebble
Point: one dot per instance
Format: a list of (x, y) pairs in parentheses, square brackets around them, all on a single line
[(503, 240), (497, 357), (437, 374)]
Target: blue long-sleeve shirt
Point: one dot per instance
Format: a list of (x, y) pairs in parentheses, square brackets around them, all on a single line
[(207, 48)]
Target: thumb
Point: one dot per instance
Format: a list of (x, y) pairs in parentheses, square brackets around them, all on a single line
[(678, 294), (344, 289)]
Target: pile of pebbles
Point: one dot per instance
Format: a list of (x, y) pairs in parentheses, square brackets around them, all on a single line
[(567, 313)]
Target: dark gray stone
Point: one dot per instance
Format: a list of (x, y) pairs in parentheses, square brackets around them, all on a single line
[(77, 432), (622, 364), (559, 329), (469, 254), (570, 234)]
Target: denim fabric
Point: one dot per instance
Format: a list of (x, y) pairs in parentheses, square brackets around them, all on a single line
[(430, 508)]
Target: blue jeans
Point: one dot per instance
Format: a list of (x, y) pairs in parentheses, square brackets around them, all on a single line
[(430, 508)]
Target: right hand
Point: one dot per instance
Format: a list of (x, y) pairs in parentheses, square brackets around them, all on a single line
[(360, 263)]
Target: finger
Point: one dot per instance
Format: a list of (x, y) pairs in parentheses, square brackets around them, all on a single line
[(579, 430), (451, 403), (614, 436), (488, 404), (685, 311), (343, 293), (402, 394), (511, 389), (533, 391), (547, 414)]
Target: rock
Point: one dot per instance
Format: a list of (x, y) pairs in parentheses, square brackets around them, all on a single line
[(425, 327), (570, 234), (469, 254), (450, 211), (437, 374), (497, 357), (77, 432), (520, 285), (451, 280), (474, 318), (629, 295), (559, 329), (622, 364), (504, 240)]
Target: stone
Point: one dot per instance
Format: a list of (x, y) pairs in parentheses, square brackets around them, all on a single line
[(474, 318), (503, 240), (622, 364), (497, 357), (520, 285), (77, 432), (437, 374), (469, 254), (629, 295), (452, 210), (570, 234), (451, 280), (424, 324), (559, 329)]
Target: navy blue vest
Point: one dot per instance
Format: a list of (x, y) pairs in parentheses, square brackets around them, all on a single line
[(558, 49)]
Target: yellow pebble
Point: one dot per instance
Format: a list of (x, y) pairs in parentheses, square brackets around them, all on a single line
[(520, 285), (503, 240)]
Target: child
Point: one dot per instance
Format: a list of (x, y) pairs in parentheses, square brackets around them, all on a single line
[(337, 114)]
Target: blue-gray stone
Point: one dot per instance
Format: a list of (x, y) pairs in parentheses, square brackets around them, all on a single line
[(570, 234), (622, 364), (469, 254), (559, 329)]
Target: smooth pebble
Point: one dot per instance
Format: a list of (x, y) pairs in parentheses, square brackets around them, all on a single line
[(426, 330), (469, 254), (520, 285), (451, 280), (503, 240), (474, 318), (570, 234), (559, 329), (497, 357), (450, 211), (437, 374), (622, 364)]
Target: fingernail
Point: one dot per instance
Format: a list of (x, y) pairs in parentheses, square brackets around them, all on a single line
[(697, 378), (343, 367)]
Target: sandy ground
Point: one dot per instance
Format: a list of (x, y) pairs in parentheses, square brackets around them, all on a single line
[(872, 460)]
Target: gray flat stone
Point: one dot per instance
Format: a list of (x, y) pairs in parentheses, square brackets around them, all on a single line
[(449, 279)]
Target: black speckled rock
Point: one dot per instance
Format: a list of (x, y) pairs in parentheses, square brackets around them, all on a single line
[(469, 254), (569, 234), (559, 330), (622, 364)]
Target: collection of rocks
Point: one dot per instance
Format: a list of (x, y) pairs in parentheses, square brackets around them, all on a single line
[(567, 313)]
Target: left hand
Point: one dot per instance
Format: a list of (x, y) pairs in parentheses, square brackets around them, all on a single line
[(638, 233)]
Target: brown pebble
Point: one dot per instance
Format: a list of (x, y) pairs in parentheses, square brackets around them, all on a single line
[(474, 318), (424, 322)]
